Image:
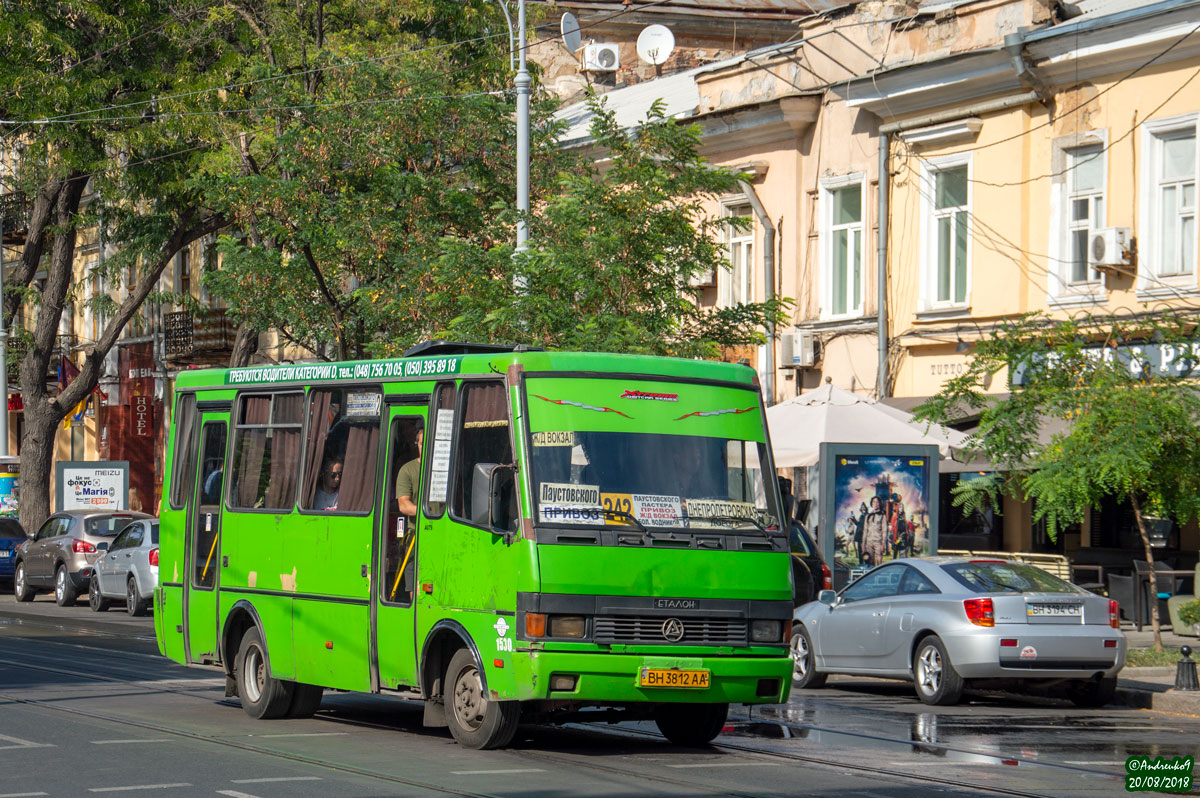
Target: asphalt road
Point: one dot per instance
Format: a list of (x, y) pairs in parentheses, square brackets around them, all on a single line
[(88, 707)]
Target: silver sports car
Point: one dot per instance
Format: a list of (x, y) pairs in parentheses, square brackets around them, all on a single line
[(940, 621)]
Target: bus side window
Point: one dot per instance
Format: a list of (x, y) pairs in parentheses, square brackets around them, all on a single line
[(183, 463), (266, 451), (436, 485), (483, 442), (341, 450)]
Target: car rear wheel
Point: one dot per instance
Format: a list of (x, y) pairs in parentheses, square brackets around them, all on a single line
[(135, 605), (96, 599), (1093, 692), (21, 588), (475, 720), (263, 696), (934, 676), (64, 589), (691, 724), (804, 669)]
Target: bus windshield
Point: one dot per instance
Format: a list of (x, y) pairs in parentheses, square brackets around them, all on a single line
[(650, 480)]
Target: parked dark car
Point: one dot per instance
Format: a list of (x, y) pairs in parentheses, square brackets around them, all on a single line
[(810, 574), (63, 553), (12, 535)]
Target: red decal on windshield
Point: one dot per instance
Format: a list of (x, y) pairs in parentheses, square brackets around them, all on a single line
[(716, 412), (585, 407)]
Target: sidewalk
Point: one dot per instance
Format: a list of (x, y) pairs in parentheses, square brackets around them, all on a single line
[(1154, 688)]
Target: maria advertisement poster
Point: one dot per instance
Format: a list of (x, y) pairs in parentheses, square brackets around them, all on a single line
[(880, 503)]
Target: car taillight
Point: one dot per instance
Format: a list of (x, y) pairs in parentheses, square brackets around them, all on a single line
[(82, 546), (1114, 614), (979, 611), (154, 556), (826, 577)]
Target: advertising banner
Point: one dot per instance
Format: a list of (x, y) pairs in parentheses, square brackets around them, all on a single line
[(879, 503), (92, 486)]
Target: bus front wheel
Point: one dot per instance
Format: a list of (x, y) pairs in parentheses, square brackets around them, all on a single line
[(691, 724), (475, 720), (263, 696)]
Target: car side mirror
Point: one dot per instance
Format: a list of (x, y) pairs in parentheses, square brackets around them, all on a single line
[(827, 597), (502, 501), (102, 546)]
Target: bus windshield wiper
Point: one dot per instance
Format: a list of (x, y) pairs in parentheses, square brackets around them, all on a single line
[(624, 516), (735, 519)]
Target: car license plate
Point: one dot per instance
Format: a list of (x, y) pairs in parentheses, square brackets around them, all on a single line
[(1053, 610), (669, 677), (4, 555)]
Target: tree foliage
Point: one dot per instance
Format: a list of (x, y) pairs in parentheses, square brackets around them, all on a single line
[(1129, 427)]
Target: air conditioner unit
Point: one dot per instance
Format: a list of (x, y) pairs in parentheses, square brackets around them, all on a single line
[(703, 279), (798, 349), (601, 58), (1107, 246)]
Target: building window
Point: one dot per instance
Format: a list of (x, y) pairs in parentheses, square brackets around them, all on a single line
[(1085, 210), (736, 286), (842, 247), (947, 212), (1175, 203), (185, 272)]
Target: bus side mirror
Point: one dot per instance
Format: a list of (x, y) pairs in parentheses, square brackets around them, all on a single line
[(502, 502)]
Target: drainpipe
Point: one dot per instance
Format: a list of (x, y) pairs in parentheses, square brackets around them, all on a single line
[(768, 249), (881, 387)]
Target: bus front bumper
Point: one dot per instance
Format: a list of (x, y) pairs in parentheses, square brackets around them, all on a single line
[(615, 678)]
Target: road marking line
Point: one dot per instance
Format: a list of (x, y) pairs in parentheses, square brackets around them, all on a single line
[(279, 778), (305, 734), (119, 742), (22, 794), (139, 787), (727, 765), (236, 794), (493, 772), (19, 743)]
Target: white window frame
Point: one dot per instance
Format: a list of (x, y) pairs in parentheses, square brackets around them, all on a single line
[(854, 304), (1062, 290), (929, 302), (736, 284), (1152, 283)]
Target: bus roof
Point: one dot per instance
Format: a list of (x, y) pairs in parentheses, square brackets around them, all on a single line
[(442, 366)]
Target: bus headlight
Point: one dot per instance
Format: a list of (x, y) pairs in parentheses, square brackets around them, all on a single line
[(567, 626), (766, 631)]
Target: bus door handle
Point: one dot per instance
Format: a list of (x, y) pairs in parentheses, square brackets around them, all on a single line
[(364, 570)]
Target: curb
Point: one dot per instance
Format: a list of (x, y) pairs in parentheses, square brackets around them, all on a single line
[(1154, 688)]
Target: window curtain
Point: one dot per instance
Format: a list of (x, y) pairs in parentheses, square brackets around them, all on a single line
[(358, 486), (251, 449), (318, 432)]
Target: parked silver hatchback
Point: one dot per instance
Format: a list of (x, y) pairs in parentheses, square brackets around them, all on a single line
[(62, 554), (128, 570)]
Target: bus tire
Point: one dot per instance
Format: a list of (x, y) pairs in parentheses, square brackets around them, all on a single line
[(263, 696), (306, 700), (690, 724), (475, 720)]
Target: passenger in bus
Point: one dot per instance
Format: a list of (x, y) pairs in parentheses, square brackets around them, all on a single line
[(408, 481), (329, 486)]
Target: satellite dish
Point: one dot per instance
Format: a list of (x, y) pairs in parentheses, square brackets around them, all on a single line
[(570, 32), (655, 43)]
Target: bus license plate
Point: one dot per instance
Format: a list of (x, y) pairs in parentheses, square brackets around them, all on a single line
[(1054, 610), (665, 677)]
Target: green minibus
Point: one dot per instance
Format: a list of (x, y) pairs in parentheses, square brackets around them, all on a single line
[(510, 535)]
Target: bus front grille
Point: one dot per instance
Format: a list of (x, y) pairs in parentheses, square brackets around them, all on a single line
[(653, 629)]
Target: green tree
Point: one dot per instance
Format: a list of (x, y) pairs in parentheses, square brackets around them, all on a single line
[(1130, 430), (615, 250), (92, 144)]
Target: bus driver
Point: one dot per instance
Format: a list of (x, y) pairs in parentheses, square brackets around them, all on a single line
[(408, 480)]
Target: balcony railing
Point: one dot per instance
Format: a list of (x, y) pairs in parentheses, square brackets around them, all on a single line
[(188, 335), (14, 214)]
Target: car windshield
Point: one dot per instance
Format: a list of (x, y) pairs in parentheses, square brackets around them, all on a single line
[(106, 525), (1007, 577)]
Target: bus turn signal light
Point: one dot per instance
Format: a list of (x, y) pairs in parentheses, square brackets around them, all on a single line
[(979, 611), (535, 624)]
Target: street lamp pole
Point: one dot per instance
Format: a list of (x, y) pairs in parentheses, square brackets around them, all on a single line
[(522, 84)]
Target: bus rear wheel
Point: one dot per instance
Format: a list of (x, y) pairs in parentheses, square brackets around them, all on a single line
[(306, 700), (475, 720), (691, 724), (263, 696)]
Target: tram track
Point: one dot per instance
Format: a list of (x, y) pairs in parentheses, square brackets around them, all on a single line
[(118, 675)]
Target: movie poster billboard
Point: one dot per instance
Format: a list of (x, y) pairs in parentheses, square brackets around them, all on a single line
[(879, 503)]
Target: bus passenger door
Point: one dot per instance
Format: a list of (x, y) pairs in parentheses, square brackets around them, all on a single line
[(202, 556), (393, 638)]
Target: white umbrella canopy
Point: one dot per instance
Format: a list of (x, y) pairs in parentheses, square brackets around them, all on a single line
[(829, 414)]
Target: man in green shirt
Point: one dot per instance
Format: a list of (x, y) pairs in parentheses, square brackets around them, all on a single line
[(408, 481)]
